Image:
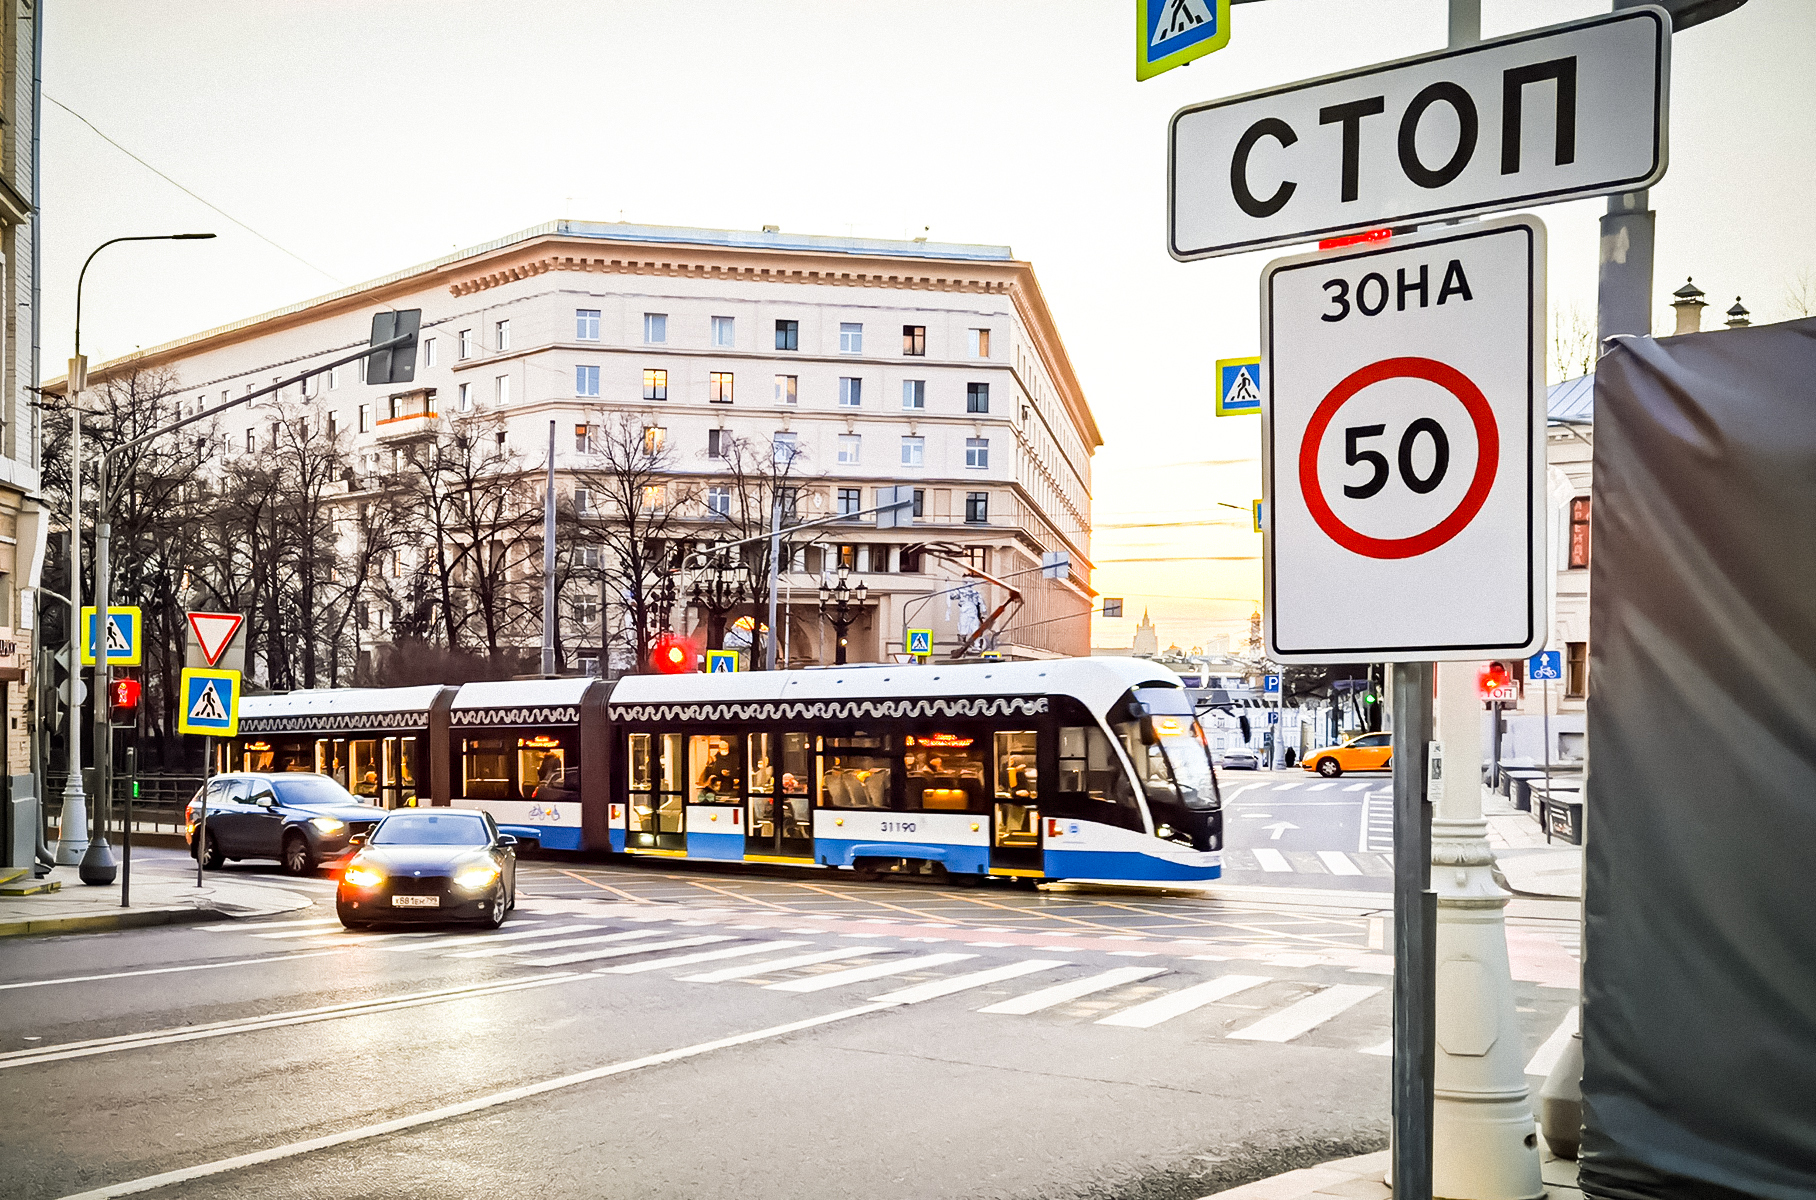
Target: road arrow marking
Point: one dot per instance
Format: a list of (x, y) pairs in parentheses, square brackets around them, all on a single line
[(1278, 828)]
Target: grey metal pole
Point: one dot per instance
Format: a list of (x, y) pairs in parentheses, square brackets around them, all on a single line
[(548, 563), (98, 863), (1415, 935), (1623, 291), (72, 834), (775, 577)]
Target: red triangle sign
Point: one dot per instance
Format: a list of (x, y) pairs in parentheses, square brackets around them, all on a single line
[(213, 632)]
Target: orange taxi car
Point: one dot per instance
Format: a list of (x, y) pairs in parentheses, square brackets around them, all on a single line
[(1369, 752)]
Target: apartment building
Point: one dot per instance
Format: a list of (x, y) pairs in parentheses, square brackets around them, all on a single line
[(867, 365)]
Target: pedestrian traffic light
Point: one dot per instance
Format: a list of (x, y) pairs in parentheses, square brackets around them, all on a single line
[(1494, 681), (672, 655), (124, 693)]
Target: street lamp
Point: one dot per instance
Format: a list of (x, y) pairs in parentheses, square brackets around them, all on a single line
[(94, 855), (840, 603), (718, 589)]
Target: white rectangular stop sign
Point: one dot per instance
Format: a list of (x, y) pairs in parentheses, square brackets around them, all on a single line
[(1403, 423)]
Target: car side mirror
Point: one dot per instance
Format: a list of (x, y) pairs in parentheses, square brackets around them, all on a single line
[(506, 841), (265, 801), (358, 839)]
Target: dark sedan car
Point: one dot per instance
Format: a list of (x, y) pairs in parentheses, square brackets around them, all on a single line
[(442, 864), (298, 818)]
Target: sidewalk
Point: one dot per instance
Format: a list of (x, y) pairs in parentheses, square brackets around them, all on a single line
[(1531, 866), (159, 897), (1361, 1178)]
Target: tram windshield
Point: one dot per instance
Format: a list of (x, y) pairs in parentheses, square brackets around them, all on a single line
[(1174, 757)]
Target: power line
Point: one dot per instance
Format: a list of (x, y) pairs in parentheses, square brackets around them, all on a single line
[(187, 192)]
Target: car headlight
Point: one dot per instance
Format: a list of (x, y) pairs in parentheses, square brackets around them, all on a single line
[(328, 824), (362, 877), (476, 877)]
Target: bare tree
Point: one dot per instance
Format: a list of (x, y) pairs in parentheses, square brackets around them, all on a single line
[(1573, 343), (1800, 294), (761, 477)]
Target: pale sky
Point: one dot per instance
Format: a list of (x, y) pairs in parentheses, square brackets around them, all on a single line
[(368, 135)]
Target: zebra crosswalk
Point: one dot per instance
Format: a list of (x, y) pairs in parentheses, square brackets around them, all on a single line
[(1308, 862)]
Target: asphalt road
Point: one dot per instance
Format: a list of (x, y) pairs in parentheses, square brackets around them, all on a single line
[(661, 1030), (1293, 829)]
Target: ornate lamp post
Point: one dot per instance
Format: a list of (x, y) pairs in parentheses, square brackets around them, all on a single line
[(718, 589), (841, 603)]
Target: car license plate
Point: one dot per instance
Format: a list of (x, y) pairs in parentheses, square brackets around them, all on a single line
[(416, 901)]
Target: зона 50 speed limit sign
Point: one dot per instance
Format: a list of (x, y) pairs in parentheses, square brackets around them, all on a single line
[(1404, 435)]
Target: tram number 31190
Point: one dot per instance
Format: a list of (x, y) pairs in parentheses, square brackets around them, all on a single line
[(898, 826)]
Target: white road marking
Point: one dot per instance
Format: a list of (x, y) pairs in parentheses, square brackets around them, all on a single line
[(746, 970), (961, 983), (1289, 786), (1339, 862), (1355, 787), (489, 938), (238, 962), (682, 960), (1307, 1014), (817, 983), (579, 941), (559, 960), (1234, 796), (1173, 1004), (1319, 787), (213, 1029), (366, 1132), (246, 927), (1271, 860), (1062, 992), (1553, 1049)]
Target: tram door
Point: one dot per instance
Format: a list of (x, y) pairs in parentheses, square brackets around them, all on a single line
[(1015, 828), (778, 785), (657, 766)]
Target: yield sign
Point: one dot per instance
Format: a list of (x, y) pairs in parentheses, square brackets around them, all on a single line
[(214, 632)]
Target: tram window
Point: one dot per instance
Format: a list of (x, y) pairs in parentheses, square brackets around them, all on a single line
[(642, 799), (365, 768), (762, 779), (406, 769), (671, 807), (1091, 774), (541, 763), (716, 768), (944, 771), (485, 768), (1016, 774), (857, 773), (256, 756), (289, 755)]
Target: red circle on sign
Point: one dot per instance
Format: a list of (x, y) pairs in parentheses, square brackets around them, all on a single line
[(1488, 453)]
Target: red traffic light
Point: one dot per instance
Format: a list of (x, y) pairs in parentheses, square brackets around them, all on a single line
[(1494, 678), (124, 693), (672, 655)]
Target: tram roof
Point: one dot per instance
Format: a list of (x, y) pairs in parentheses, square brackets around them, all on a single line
[(1098, 681), (340, 700), (506, 693)]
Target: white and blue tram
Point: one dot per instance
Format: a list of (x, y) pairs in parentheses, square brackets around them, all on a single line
[(1065, 769)]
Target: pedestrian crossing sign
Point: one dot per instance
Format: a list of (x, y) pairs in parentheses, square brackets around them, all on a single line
[(1238, 387), (210, 702), (721, 662), (920, 642), (1171, 33), (124, 629)]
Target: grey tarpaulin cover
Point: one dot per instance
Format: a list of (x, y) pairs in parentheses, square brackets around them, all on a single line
[(1699, 993)]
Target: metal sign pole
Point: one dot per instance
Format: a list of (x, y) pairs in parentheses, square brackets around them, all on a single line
[(1415, 935)]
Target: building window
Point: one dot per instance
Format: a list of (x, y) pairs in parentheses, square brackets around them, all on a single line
[(851, 391), (394, 408), (428, 352), (1579, 533), (655, 328), (914, 393), (586, 612), (719, 387), (914, 452), (977, 508), (583, 500), (920, 501), (1576, 670), (586, 324), (252, 445), (362, 375), (977, 397), (501, 335), (851, 338), (851, 501), (334, 379), (724, 331), (977, 452), (718, 501), (783, 448), (791, 503), (914, 340), (849, 445), (785, 389), (718, 443), (586, 381), (654, 438), (655, 497), (980, 343), (365, 418), (466, 397), (589, 556), (334, 426), (466, 345), (502, 390), (788, 335), (655, 384), (586, 438)]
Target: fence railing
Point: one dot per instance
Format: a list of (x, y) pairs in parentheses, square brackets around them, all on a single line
[(159, 804)]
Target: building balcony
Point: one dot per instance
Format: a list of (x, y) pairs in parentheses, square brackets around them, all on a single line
[(414, 419)]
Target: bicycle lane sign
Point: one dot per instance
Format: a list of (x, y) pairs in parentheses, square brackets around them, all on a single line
[(1403, 431)]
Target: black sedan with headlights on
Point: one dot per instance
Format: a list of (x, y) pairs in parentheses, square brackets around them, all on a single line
[(430, 865), (300, 819)]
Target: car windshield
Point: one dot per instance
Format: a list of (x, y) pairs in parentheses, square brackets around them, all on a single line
[(425, 829), (311, 789)]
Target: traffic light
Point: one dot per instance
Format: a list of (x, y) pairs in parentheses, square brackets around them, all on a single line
[(1494, 681), (124, 694), (672, 655)]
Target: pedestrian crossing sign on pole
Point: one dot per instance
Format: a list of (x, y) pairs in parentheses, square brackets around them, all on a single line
[(920, 643), (1238, 387), (1171, 33), (721, 662), (210, 702), (125, 627)]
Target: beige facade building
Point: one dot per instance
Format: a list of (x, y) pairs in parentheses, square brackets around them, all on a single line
[(869, 364)]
